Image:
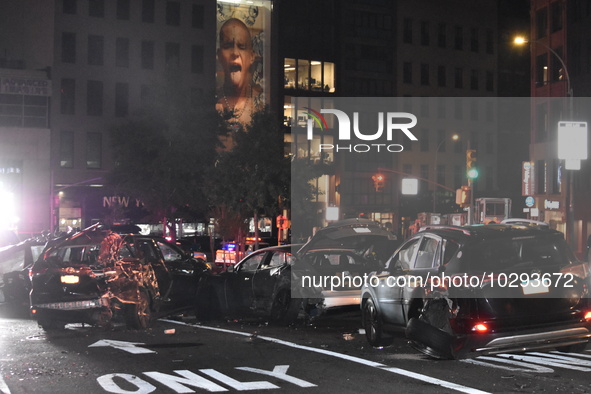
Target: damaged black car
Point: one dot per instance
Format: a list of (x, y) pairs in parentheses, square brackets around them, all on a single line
[(277, 283), (97, 276), (475, 290)]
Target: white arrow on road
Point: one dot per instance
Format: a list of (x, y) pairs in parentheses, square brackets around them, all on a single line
[(129, 347)]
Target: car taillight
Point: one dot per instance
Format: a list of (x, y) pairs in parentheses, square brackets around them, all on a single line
[(587, 315), (36, 272), (480, 327)]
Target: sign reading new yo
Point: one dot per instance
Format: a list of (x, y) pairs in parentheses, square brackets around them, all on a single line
[(389, 121)]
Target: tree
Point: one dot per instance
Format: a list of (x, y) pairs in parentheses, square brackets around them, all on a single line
[(252, 176), (164, 153)]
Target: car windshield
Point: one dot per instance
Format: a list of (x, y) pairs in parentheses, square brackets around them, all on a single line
[(517, 253), (76, 255)]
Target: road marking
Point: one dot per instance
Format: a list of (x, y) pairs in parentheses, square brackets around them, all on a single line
[(3, 387), (279, 372), (129, 347), (523, 367), (535, 362), (413, 375)]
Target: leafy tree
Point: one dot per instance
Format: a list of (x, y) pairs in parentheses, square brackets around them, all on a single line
[(164, 153), (253, 175)]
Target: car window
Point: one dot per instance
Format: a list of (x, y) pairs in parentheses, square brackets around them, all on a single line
[(169, 253), (403, 258), (277, 259), (251, 263), (427, 252)]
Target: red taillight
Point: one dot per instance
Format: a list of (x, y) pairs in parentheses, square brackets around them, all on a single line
[(36, 272), (480, 327), (587, 315)]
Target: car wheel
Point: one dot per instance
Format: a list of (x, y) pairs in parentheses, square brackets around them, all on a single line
[(139, 314), (51, 325), (429, 340), (285, 309), (372, 323), (576, 348)]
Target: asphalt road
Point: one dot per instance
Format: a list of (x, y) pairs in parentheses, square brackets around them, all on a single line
[(179, 355)]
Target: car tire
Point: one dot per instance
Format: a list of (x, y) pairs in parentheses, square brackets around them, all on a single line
[(429, 340), (577, 348), (285, 310), (51, 325), (372, 323), (138, 315)]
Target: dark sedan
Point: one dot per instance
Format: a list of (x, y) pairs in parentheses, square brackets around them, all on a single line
[(97, 275), (460, 291)]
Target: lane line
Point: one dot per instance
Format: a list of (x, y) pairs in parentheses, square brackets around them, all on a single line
[(369, 363), (3, 387)]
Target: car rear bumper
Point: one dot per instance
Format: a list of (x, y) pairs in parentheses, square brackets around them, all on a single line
[(532, 340)]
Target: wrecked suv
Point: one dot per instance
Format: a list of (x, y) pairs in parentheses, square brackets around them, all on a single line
[(97, 275), (474, 290)]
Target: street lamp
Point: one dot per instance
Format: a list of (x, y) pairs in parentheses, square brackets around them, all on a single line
[(570, 218), (454, 138)]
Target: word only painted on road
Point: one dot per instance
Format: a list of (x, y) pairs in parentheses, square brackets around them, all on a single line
[(186, 381)]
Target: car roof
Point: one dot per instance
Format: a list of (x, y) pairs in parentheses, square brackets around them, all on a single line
[(490, 231)]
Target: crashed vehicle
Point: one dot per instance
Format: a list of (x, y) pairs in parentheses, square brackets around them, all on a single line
[(509, 287), (278, 282), (97, 275), (15, 261)]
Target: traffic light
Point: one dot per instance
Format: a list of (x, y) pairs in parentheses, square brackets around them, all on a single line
[(463, 196), (378, 181), (471, 170)]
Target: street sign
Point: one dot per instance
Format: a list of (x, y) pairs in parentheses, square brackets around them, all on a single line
[(530, 201), (572, 140)]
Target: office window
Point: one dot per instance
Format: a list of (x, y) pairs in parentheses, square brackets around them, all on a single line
[(197, 59), (69, 7), (122, 52), (407, 169), (148, 11), (441, 77), (459, 78), (458, 176), (67, 149), (407, 31), (68, 47), (542, 69), (459, 38), (424, 173), (121, 99), (458, 109), (148, 55), (197, 16), (474, 110), (407, 72), (95, 50), (556, 16), (172, 53), (474, 43), (490, 143), (424, 74), (442, 35), (474, 80), (146, 96), (96, 8), (556, 66), (173, 13), (441, 141), (123, 10), (425, 37), (94, 98), (94, 150), (68, 96)]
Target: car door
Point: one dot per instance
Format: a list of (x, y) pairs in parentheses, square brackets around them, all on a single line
[(390, 288), (270, 276), (424, 265), (182, 272), (147, 250), (241, 281)]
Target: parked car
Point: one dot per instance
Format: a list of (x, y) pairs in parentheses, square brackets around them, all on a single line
[(15, 262), (511, 287), (271, 282), (97, 275)]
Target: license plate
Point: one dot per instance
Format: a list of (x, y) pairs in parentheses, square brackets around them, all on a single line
[(530, 288)]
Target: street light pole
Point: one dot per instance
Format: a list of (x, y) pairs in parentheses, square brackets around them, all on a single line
[(570, 216)]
